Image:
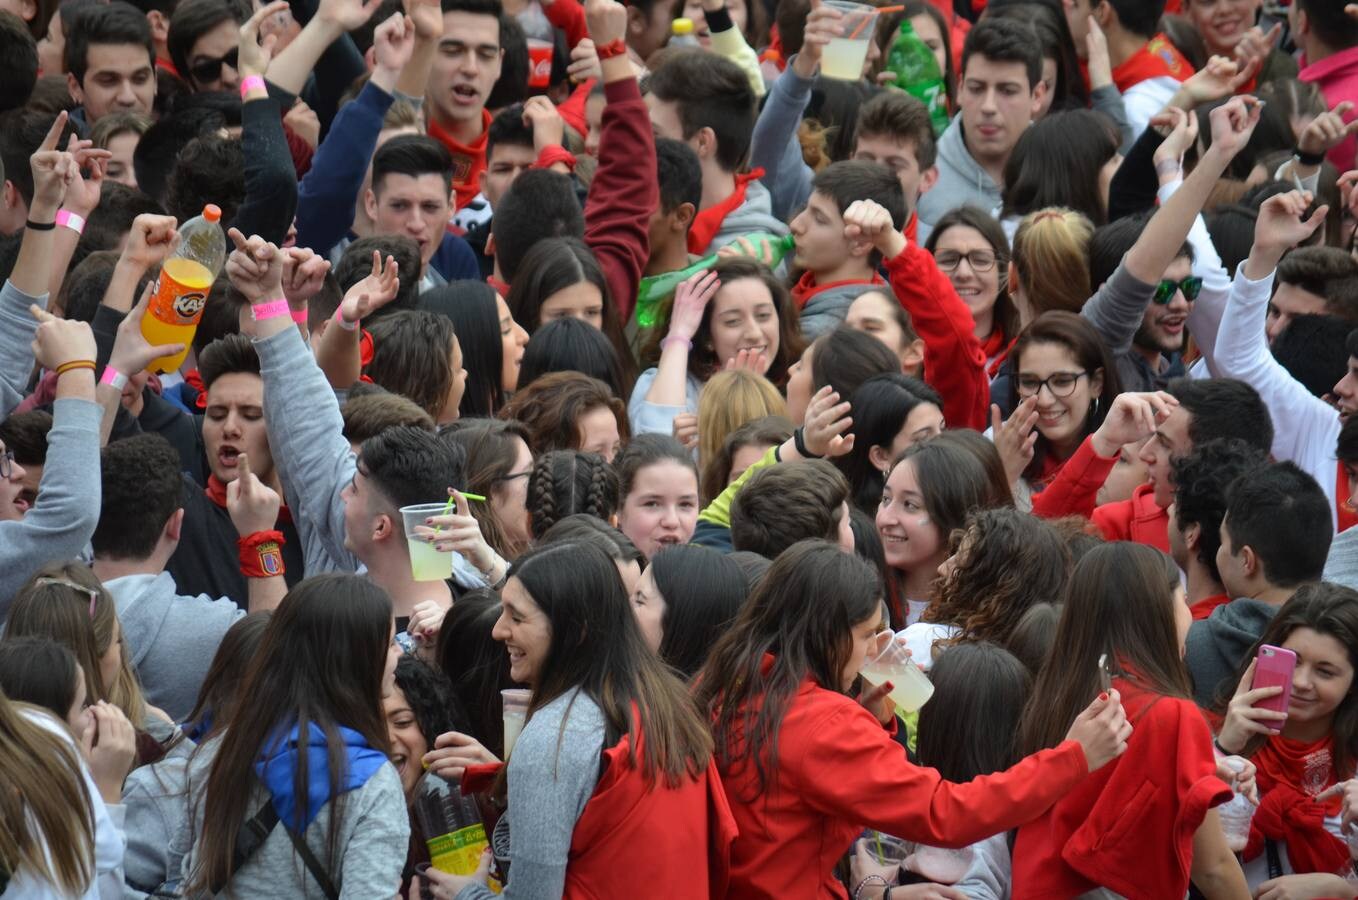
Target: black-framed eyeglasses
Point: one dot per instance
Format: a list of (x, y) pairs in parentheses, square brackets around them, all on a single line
[(208, 69), (1061, 384), (1164, 291), (979, 260), (6, 463)]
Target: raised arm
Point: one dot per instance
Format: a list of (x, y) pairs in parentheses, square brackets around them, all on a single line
[(338, 351), (291, 68), (300, 410), (82, 196), (270, 178), (623, 193)]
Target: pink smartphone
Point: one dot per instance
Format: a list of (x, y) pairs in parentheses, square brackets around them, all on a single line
[(1273, 667)]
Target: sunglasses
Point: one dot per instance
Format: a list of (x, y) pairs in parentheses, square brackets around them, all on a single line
[(79, 589), (209, 69), (1165, 290)]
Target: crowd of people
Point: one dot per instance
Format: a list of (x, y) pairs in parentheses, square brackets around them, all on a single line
[(620, 358)]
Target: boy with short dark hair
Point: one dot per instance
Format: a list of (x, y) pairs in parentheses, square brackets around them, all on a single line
[(783, 504), (836, 265), (110, 61), (1000, 92), (707, 102), (679, 176), (1275, 536), (1313, 281), (465, 70), (1202, 482)]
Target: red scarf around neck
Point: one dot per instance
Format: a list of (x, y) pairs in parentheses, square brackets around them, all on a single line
[(1290, 774), (1157, 59), (216, 492), (707, 223)]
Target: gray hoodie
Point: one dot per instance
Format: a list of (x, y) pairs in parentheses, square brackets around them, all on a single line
[(961, 180), (1217, 645), (826, 309), (754, 216), (171, 638)]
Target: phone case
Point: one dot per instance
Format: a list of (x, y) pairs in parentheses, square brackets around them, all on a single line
[(1273, 668)]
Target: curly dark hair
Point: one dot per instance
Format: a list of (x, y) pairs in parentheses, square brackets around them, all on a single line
[(1006, 561), (1202, 482), (566, 482), (430, 695)]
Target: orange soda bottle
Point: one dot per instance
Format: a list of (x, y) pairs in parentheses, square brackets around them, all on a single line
[(180, 294)]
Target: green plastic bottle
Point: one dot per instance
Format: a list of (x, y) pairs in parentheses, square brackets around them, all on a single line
[(655, 288), (917, 73)]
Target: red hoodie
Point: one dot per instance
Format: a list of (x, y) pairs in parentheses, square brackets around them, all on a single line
[(1129, 826), (1073, 492), (839, 771), (954, 363), (1139, 519)]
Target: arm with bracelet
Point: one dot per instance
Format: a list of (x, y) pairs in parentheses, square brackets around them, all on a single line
[(270, 201), (338, 351)]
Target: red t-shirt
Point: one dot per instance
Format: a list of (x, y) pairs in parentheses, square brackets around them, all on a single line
[(1129, 826), (1203, 608)]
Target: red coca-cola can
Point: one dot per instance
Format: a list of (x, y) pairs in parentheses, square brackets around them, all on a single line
[(539, 63)]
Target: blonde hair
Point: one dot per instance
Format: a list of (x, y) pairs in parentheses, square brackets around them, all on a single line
[(1051, 259), (730, 399), (110, 126), (46, 814), (66, 603), (402, 114)]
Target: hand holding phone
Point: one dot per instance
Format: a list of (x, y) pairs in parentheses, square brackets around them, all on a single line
[(1259, 706), (1273, 667)]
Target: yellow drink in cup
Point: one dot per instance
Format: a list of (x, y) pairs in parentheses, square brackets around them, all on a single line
[(845, 55), (911, 688), (426, 563)]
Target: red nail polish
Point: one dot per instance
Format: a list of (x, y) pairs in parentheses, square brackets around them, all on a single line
[(889, 686), (1103, 695)]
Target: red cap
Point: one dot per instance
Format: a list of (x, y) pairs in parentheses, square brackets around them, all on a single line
[(212, 213)]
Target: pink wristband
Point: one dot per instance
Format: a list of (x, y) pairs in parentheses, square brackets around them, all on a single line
[(113, 378), (339, 320), (299, 316), (249, 83), (68, 219), (270, 309)]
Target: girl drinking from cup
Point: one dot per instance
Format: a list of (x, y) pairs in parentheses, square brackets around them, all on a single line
[(1303, 765), (611, 781), (806, 766), (1123, 628)]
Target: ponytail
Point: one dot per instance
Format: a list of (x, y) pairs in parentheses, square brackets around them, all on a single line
[(1051, 259)]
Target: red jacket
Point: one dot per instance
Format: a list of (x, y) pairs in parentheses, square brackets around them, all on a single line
[(954, 363), (1075, 488), (677, 840), (623, 193), (838, 771), (1129, 826), (1139, 519)]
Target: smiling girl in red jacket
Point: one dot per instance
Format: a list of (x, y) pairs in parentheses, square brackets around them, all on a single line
[(806, 767), (1124, 605)]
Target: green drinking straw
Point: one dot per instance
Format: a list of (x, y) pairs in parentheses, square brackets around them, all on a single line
[(877, 836), (448, 507)]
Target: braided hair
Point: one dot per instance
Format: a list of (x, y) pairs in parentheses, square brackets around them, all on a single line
[(566, 482)]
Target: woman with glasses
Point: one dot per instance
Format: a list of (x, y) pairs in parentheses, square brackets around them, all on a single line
[(1065, 374), (970, 247)]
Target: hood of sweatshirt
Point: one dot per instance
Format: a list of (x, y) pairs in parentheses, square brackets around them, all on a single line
[(754, 216), (143, 604), (961, 179), (1217, 645)]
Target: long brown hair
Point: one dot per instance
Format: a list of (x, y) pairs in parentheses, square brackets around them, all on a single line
[(597, 647), (491, 456), (321, 662), (802, 613), (46, 816), (66, 603), (1119, 604)]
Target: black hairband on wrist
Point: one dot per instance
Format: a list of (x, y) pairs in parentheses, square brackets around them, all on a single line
[(1309, 159), (39, 226)]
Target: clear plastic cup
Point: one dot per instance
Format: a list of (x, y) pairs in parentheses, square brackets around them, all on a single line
[(426, 563), (844, 56), (911, 688), (939, 864), (885, 849), (515, 713)]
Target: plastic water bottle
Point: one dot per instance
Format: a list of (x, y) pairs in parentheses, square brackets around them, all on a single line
[(917, 72), (681, 33), (451, 825), (655, 288), (1236, 813), (181, 291)]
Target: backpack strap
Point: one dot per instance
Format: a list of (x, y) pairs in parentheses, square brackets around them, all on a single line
[(249, 839), (313, 864)]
